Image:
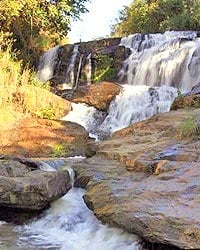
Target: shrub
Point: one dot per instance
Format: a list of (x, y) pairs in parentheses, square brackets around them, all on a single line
[(189, 128)]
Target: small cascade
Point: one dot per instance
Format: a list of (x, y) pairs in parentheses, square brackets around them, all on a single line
[(137, 103), (171, 59), (88, 69), (69, 224), (133, 104), (47, 64), (70, 76), (87, 116)]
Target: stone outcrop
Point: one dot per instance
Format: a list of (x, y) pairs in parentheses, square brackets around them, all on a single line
[(145, 179), (32, 137), (98, 95), (190, 99), (86, 61), (23, 188)]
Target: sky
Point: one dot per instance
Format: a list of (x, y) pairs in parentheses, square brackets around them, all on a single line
[(97, 22)]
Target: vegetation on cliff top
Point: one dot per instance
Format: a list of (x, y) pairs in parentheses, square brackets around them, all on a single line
[(27, 28), (151, 16), (36, 25)]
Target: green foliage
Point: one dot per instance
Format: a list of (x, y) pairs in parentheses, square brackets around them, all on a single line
[(103, 68), (46, 113), (22, 92), (58, 150), (62, 149), (150, 16), (36, 25), (188, 128)]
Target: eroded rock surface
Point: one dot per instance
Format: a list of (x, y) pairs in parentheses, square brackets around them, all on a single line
[(33, 137), (26, 189), (98, 95), (158, 197), (190, 99)]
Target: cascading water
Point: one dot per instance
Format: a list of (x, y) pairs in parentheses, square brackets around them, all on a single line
[(88, 69), (87, 116), (133, 104), (70, 78), (167, 60), (137, 103), (47, 64), (171, 59), (69, 224)]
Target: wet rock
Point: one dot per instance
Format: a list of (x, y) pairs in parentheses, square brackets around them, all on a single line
[(89, 56), (98, 95), (24, 189), (158, 197), (190, 99)]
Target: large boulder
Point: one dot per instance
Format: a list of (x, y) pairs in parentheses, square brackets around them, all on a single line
[(98, 95), (157, 198), (25, 188), (33, 137)]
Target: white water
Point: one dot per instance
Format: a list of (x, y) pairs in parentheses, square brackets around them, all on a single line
[(88, 69), (81, 114), (69, 224), (137, 103), (70, 78), (87, 116), (2, 223), (133, 104), (47, 64), (171, 59)]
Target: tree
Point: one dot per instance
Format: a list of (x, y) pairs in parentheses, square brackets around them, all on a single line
[(36, 25), (150, 16)]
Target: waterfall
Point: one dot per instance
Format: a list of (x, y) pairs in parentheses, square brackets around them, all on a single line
[(133, 104), (88, 69), (69, 224), (70, 76), (171, 59), (137, 103), (87, 116), (47, 64)]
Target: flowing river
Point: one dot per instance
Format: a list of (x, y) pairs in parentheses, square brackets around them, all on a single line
[(68, 225), (165, 62)]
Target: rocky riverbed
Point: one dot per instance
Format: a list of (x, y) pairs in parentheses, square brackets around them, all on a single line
[(143, 179)]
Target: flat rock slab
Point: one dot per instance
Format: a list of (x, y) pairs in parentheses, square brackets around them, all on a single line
[(34, 137), (158, 197)]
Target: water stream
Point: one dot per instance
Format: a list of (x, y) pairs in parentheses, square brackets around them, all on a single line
[(133, 104), (69, 224), (157, 66), (171, 58)]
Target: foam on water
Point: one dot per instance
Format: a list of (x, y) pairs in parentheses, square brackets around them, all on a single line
[(69, 224), (133, 104), (137, 103), (47, 64), (2, 223), (171, 58), (87, 116)]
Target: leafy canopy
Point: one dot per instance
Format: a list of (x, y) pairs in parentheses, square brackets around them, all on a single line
[(150, 16), (35, 25)]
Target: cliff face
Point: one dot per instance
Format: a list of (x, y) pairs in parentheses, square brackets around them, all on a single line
[(86, 62)]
